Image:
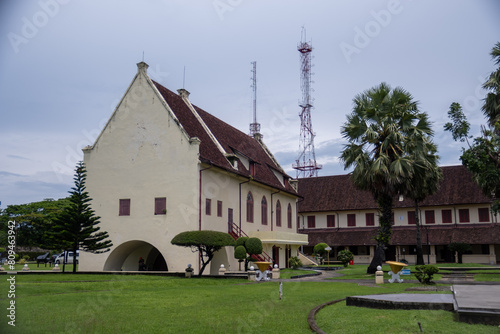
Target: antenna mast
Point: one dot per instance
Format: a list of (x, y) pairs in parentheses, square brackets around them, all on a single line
[(254, 127), (305, 164)]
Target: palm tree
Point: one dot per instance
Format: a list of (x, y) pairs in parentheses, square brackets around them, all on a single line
[(491, 107), (384, 131)]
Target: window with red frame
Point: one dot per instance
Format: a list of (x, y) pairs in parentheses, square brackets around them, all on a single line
[(219, 208), (160, 205), (351, 219), (411, 218), (484, 215), (330, 221), (264, 210), (124, 209), (311, 221), (370, 219), (278, 213), (446, 216), (463, 215), (429, 217), (249, 207), (208, 206)]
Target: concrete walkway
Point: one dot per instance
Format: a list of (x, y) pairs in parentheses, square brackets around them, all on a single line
[(477, 303), (473, 303)]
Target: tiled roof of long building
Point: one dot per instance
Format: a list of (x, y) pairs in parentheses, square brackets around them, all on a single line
[(338, 193)]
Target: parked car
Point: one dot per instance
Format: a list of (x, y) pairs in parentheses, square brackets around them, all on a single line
[(54, 257), (68, 255)]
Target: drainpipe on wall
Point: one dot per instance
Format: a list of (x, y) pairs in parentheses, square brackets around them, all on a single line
[(240, 200), (272, 207)]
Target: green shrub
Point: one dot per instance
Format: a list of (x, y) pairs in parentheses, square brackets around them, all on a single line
[(345, 257), (295, 262), (240, 253), (26, 257), (241, 241), (22, 261), (253, 246), (320, 250), (424, 273)]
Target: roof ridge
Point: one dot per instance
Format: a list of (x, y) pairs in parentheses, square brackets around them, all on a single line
[(184, 98)]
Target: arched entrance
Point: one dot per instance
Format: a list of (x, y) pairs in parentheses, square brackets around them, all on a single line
[(126, 257)]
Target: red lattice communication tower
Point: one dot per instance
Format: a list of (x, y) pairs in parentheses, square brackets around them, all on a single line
[(305, 164)]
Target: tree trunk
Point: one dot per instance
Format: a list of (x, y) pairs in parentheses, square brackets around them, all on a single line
[(377, 260), (209, 254), (420, 252), (384, 232)]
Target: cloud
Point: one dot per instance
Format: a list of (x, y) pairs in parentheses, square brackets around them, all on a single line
[(13, 156), (20, 189)]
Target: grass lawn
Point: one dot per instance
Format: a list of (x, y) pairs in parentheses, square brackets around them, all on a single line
[(358, 271), (67, 303)]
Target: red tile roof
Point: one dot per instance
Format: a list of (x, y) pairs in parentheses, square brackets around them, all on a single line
[(338, 193), (474, 234), (231, 140)]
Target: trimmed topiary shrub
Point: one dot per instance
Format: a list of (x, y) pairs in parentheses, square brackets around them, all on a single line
[(247, 246), (424, 273), (253, 246), (241, 241), (345, 256), (240, 253), (320, 251)]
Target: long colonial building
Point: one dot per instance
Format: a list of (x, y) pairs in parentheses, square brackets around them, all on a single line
[(162, 166), (333, 211)]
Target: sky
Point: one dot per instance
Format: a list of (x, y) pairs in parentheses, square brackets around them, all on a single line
[(64, 65)]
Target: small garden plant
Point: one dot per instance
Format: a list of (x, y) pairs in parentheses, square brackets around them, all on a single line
[(424, 273), (295, 262), (345, 256)]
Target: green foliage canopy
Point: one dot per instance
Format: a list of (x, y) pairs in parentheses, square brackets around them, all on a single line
[(345, 256), (33, 220), (253, 246), (319, 249), (482, 158), (205, 242)]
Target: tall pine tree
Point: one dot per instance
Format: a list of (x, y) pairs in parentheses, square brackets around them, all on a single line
[(76, 227)]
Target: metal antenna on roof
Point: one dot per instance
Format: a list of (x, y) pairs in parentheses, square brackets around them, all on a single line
[(254, 127), (142, 56)]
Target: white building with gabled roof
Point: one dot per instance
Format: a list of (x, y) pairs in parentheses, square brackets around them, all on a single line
[(162, 166)]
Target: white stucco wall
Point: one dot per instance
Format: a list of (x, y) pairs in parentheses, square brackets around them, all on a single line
[(141, 154)]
